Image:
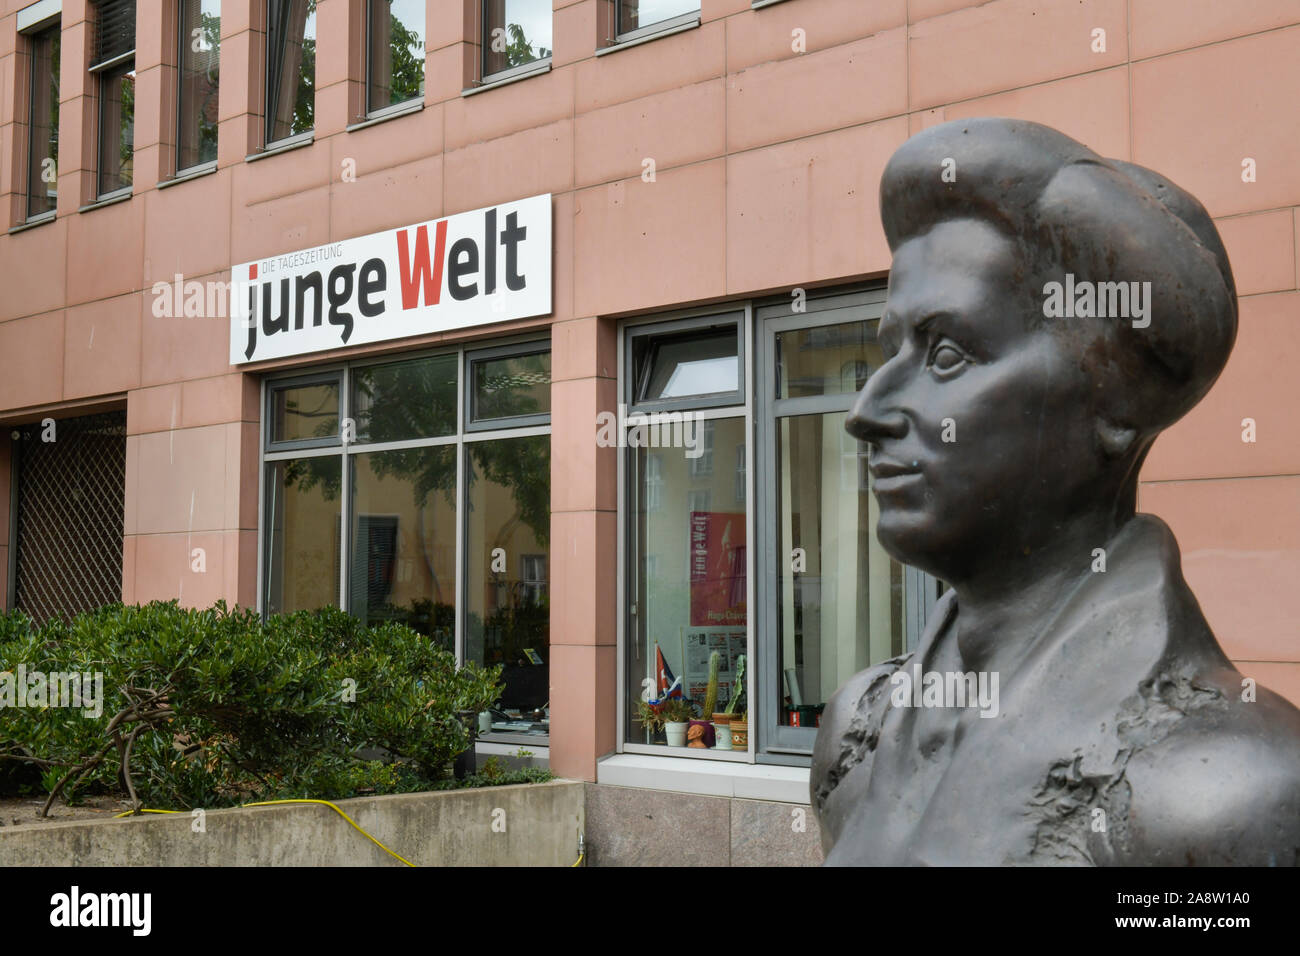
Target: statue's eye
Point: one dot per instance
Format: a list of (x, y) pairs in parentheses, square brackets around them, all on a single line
[(946, 357)]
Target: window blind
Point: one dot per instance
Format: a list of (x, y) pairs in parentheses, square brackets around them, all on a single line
[(114, 30)]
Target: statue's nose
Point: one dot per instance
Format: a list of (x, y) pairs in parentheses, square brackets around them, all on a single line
[(873, 416)]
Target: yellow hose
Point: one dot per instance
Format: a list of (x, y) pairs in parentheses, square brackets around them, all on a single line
[(324, 803)]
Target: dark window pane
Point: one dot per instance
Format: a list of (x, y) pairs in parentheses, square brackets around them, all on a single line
[(687, 576), (43, 147), (305, 411), (686, 365), (116, 127), (840, 610), (290, 68), (200, 76), (634, 14), (302, 536), (403, 540), (515, 32), (396, 52), (512, 386), (507, 547), (114, 30), (827, 360), (402, 400)]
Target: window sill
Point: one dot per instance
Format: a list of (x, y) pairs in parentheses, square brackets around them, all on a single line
[(714, 778), (194, 172), (32, 223), (284, 146), (534, 69), (760, 4), (402, 109), (109, 199), (666, 31)]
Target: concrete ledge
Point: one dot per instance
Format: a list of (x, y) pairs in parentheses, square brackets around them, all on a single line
[(633, 827), (714, 778), (536, 825)]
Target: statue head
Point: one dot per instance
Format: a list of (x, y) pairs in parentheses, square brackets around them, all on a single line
[(1049, 313)]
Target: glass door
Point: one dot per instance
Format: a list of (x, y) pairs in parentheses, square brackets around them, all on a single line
[(832, 602)]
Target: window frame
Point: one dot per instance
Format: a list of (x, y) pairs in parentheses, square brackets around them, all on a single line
[(539, 65), (777, 742), (102, 73), (475, 356), (462, 438), (32, 34), (694, 322), (728, 405), (293, 139), (681, 21), (392, 109), (769, 743), (180, 171), (273, 385)]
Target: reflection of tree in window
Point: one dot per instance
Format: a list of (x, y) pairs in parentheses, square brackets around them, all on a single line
[(508, 23), (291, 67)]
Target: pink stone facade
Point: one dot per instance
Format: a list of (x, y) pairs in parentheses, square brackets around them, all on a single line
[(768, 129)]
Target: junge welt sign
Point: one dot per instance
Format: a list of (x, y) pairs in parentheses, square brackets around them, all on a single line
[(489, 265)]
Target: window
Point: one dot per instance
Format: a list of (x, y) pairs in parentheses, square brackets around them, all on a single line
[(43, 122), (642, 17), (382, 498), (516, 36), (290, 68), (688, 522), (395, 53), (114, 65), (827, 601), (199, 62)]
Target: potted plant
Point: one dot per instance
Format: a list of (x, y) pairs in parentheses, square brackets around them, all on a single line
[(716, 734), (649, 717), (676, 714), (738, 720)]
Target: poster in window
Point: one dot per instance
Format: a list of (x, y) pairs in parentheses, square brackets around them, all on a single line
[(717, 569), (699, 644)]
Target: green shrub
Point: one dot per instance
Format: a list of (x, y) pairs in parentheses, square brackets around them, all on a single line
[(217, 707)]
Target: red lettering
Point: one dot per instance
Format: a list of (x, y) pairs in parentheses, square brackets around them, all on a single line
[(421, 270)]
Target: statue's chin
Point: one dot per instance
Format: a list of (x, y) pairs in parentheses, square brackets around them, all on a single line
[(909, 538)]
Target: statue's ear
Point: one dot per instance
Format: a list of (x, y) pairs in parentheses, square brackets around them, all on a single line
[(1116, 439)]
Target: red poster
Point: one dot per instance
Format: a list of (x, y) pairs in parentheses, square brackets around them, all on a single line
[(717, 568)]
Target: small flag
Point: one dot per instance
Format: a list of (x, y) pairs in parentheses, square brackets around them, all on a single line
[(667, 685)]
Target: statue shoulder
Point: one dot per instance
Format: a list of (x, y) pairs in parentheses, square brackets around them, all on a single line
[(850, 727), (1222, 789)]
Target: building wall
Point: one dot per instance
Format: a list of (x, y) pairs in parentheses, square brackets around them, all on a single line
[(767, 159)]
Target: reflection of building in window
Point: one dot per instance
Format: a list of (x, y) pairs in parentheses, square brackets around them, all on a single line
[(375, 543), (654, 482), (740, 474), (699, 500), (703, 464), (532, 578)]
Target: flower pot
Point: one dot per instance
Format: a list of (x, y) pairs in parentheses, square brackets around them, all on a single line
[(676, 731), (722, 731), (739, 734)]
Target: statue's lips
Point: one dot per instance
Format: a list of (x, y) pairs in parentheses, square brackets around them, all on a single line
[(890, 476)]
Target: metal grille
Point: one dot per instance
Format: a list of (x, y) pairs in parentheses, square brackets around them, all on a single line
[(69, 525)]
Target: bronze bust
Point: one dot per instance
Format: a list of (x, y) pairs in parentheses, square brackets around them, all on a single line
[(1049, 313)]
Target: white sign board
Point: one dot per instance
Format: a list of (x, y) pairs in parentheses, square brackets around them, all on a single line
[(489, 265)]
